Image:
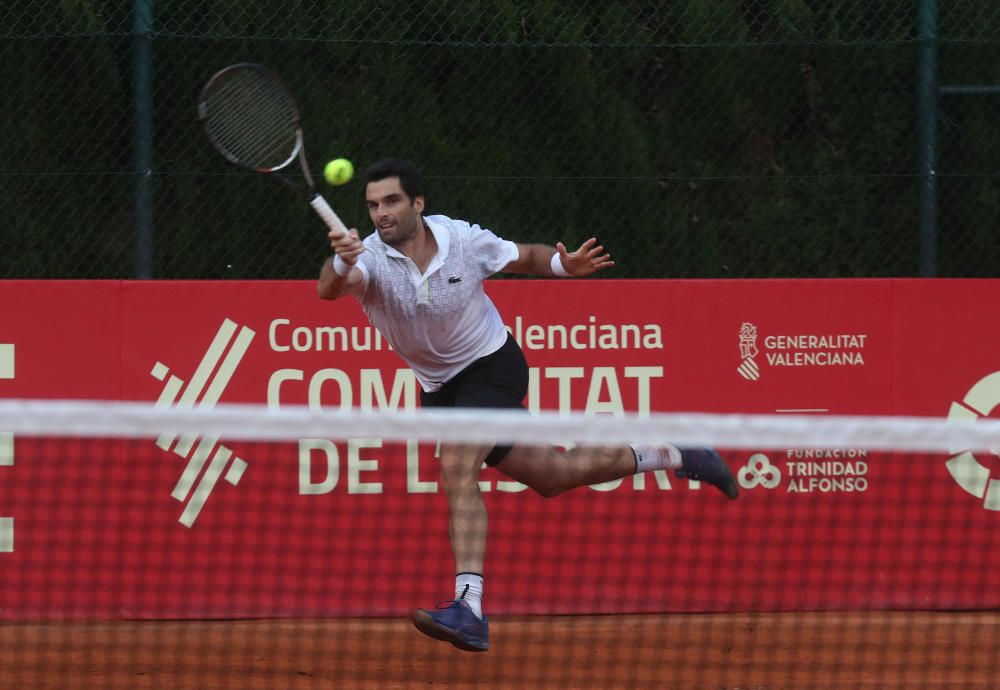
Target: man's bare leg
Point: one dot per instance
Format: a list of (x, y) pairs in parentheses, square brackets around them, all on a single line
[(467, 520), (462, 624), (551, 471)]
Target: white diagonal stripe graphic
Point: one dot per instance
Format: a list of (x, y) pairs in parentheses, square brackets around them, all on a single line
[(228, 366), (6, 360), (167, 397), (236, 471), (6, 535), (194, 467), (210, 379), (221, 379), (205, 368), (205, 486), (6, 448), (208, 363)]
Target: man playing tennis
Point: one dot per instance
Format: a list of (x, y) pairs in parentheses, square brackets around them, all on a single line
[(420, 282)]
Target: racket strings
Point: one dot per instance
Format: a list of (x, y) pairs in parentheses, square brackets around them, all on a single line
[(250, 117)]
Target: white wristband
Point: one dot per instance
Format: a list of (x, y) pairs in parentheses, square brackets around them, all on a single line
[(341, 267), (557, 267)]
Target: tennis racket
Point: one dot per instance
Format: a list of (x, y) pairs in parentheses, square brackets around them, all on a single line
[(251, 118)]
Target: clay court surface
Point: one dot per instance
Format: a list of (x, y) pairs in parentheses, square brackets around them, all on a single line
[(816, 650)]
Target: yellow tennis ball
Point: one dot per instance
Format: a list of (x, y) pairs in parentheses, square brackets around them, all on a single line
[(338, 171)]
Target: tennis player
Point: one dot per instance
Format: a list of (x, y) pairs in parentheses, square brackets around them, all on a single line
[(420, 282)]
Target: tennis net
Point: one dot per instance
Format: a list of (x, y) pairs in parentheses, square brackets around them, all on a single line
[(241, 546)]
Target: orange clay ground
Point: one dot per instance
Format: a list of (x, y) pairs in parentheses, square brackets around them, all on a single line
[(745, 651)]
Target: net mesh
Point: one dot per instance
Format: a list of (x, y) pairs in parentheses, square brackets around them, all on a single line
[(735, 139), (242, 546)]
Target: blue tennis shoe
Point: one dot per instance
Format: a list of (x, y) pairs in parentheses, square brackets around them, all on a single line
[(455, 623), (705, 465)]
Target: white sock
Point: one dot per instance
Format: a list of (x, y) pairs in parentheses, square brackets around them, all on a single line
[(659, 456), (469, 586)]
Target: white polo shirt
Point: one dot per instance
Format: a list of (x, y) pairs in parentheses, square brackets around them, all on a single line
[(440, 321)]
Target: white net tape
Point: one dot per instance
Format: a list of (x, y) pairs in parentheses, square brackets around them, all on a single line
[(258, 422)]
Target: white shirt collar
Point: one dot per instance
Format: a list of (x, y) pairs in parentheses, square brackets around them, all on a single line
[(441, 236)]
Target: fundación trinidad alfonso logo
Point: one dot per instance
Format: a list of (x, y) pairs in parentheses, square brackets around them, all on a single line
[(965, 468), (759, 471), (207, 460), (833, 470)]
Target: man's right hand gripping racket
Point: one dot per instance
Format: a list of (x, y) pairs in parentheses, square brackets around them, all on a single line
[(251, 118)]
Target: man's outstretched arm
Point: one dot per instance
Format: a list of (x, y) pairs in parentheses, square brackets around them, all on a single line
[(546, 261), (334, 283)]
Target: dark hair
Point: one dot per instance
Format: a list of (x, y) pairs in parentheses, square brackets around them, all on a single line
[(410, 178)]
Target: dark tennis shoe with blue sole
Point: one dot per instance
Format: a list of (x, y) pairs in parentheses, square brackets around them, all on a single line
[(705, 465), (455, 623)]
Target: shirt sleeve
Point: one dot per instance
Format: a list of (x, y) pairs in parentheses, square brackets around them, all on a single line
[(491, 253)]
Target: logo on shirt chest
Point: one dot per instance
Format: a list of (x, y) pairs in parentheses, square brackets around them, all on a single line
[(445, 297)]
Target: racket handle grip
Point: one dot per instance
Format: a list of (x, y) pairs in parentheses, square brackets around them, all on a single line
[(327, 214)]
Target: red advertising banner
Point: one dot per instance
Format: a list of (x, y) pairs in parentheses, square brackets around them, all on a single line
[(186, 527)]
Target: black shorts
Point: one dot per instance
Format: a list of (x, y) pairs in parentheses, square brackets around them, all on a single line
[(498, 380)]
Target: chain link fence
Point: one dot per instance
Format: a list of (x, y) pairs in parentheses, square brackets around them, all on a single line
[(696, 138)]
